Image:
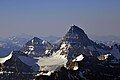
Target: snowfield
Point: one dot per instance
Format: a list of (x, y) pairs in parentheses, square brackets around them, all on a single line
[(55, 61), (52, 63)]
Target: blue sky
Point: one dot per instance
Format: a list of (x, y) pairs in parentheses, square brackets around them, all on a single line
[(54, 17)]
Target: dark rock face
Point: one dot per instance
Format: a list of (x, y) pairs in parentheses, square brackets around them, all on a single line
[(77, 35), (36, 47), (63, 74), (15, 69), (95, 69)]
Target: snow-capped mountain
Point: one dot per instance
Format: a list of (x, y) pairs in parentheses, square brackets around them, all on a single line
[(79, 43), (13, 43), (37, 47), (75, 56), (78, 55), (77, 35), (71, 49), (19, 40), (7, 46)]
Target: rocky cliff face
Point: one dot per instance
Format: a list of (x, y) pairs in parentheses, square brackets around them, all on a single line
[(77, 35), (15, 69)]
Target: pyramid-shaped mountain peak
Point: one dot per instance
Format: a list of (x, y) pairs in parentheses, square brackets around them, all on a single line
[(76, 30), (36, 47), (76, 34), (36, 39)]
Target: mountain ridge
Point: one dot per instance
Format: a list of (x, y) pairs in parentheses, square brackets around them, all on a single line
[(75, 56)]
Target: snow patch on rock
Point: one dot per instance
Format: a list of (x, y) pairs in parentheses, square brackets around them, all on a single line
[(103, 57), (75, 68), (4, 59), (78, 58)]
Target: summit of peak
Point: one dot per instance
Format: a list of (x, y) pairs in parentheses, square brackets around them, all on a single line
[(75, 29), (77, 35), (36, 38)]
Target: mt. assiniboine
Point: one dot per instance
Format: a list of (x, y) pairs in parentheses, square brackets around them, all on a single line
[(74, 57)]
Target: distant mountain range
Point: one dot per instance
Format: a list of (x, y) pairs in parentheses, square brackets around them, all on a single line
[(74, 56)]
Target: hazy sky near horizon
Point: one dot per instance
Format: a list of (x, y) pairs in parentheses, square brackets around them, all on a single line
[(54, 17)]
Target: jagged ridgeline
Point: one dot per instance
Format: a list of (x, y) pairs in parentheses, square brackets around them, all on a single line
[(74, 57)]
